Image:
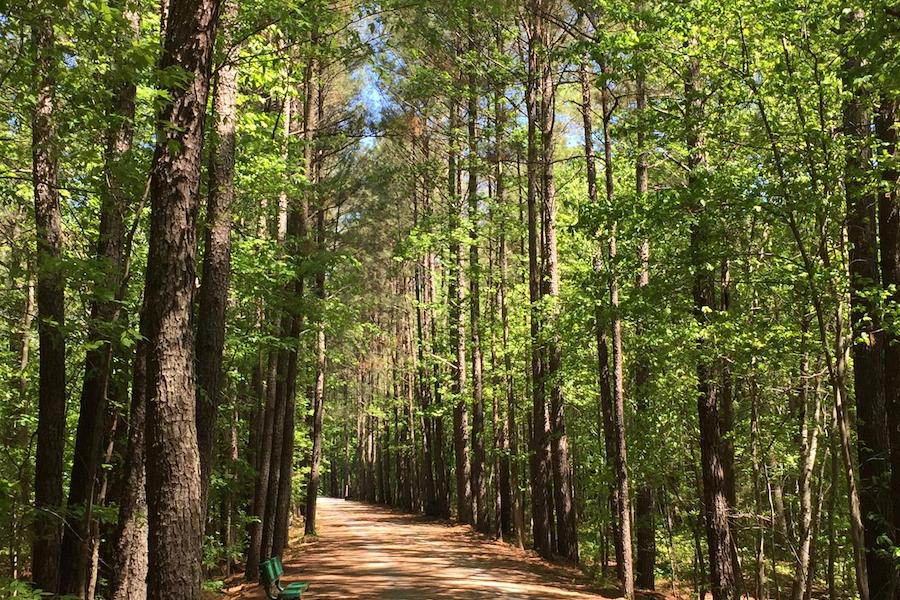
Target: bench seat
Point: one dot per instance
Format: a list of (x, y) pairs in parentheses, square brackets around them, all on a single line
[(293, 590)]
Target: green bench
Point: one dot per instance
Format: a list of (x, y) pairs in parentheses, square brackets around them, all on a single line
[(270, 573)]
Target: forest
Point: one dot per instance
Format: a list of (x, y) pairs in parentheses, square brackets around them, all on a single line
[(614, 281)]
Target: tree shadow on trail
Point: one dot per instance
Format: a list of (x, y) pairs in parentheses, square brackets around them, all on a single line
[(373, 552)]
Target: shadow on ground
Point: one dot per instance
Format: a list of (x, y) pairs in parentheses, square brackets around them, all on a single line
[(372, 552)]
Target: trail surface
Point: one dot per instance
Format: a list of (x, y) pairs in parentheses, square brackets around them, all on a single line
[(366, 551)]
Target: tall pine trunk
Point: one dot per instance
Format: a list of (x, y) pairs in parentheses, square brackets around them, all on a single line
[(562, 485), (422, 387), (265, 423), (312, 490), (479, 476), (105, 309), (600, 334), (873, 446), (51, 283), (889, 229), (441, 471), (539, 460), (511, 526), (217, 251), (129, 571), (645, 522), (173, 462), (464, 507), (617, 409), (723, 571)]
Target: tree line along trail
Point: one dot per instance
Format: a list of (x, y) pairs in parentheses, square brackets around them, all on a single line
[(557, 298)]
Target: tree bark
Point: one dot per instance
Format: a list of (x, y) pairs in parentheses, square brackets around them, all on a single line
[(809, 443), (873, 445), (889, 230), (129, 572), (423, 389), (617, 412), (441, 470), (173, 462), (566, 531), (312, 490), (217, 251), (296, 245), (51, 283), (644, 507), (479, 487), (540, 444), (602, 344), (511, 524), (261, 483), (464, 506), (102, 334), (276, 467), (723, 571), (281, 385)]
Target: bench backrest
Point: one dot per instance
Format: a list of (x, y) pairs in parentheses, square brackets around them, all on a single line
[(269, 571), (279, 568)]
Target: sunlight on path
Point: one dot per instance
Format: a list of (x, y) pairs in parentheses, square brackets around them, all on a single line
[(369, 551)]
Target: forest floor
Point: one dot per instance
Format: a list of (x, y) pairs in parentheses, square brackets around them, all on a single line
[(370, 552)]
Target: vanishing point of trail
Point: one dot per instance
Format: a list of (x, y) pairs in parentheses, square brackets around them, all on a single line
[(366, 551)]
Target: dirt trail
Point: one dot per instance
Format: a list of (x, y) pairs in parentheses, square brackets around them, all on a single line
[(366, 551)]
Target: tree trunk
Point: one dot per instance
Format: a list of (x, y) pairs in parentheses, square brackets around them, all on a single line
[(464, 508), (295, 244), (378, 460), (217, 252), (281, 385), (173, 462), (296, 241), (345, 471), (102, 338), (229, 496), (602, 344), (760, 586), (359, 457), (129, 571), (511, 525), (479, 487), (312, 489), (723, 571), (409, 492), (566, 531), (276, 468), (441, 475), (540, 443), (261, 485), (423, 389), (498, 421), (644, 508), (889, 229), (51, 283), (868, 348), (809, 443), (617, 412)]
